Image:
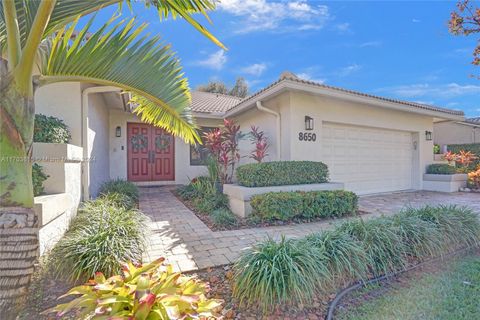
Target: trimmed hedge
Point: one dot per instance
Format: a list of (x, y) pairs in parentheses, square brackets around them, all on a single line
[(50, 130), (314, 204), (472, 147), (280, 173), (438, 168)]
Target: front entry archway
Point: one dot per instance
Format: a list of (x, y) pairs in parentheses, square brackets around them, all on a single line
[(150, 153)]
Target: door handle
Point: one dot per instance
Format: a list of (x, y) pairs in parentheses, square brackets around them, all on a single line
[(151, 156)]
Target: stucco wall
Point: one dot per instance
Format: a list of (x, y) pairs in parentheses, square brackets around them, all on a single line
[(64, 101), (98, 142), (450, 132), (325, 109)]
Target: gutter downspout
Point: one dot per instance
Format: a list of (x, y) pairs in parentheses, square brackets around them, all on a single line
[(84, 140), (279, 126)]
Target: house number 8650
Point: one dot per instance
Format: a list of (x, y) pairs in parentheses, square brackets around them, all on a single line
[(307, 136)]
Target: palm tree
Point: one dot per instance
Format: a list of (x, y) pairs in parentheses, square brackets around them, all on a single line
[(38, 46)]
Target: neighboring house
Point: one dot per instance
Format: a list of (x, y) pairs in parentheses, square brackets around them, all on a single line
[(370, 143), (457, 132)]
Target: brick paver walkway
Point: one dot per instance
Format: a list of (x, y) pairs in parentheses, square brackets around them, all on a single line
[(188, 244)]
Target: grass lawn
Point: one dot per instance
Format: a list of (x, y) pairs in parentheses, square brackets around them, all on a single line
[(453, 293)]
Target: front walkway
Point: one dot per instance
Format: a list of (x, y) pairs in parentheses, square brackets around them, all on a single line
[(188, 244)]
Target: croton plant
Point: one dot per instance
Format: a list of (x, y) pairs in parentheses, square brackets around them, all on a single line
[(148, 292)]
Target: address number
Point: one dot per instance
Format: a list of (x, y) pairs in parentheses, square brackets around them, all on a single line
[(307, 136)]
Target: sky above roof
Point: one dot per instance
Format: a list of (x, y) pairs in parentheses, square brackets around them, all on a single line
[(400, 50)]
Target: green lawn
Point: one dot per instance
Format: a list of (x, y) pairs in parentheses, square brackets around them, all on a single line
[(452, 294)]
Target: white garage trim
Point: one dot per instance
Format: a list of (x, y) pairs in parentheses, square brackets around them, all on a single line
[(367, 159)]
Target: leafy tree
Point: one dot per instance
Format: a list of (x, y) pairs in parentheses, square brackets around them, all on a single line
[(34, 32), (466, 21), (240, 89), (214, 87)]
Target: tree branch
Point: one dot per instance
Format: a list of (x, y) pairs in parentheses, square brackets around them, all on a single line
[(13, 33), (24, 69)]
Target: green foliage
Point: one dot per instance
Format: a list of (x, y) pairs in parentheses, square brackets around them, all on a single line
[(352, 251), (203, 193), (223, 217), (50, 130), (38, 177), (141, 292), (124, 193), (277, 272), (440, 168), (314, 204), (279, 173), (239, 89), (436, 149), (100, 238)]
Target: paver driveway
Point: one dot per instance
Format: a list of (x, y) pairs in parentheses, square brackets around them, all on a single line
[(188, 244)]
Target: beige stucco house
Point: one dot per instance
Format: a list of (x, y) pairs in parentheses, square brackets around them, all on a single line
[(457, 132), (371, 144)]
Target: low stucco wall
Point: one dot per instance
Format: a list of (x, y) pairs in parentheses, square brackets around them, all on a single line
[(62, 162), (444, 182)]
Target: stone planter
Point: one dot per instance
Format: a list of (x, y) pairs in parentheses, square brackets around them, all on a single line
[(444, 182), (239, 196)]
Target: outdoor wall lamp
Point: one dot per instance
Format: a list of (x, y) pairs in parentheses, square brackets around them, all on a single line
[(308, 123), (428, 135), (118, 132)]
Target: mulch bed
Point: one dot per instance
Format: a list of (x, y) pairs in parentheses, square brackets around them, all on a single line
[(243, 223)]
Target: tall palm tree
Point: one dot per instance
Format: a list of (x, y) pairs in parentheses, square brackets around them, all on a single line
[(38, 46)]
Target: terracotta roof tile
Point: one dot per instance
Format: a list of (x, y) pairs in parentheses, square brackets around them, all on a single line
[(206, 102)]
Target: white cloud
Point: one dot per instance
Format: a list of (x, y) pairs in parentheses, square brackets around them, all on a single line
[(307, 76), (343, 27), (416, 20), (215, 60), (348, 70), (255, 69), (426, 90), (275, 15), (370, 44)]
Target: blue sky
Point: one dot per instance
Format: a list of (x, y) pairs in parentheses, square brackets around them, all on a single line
[(393, 49)]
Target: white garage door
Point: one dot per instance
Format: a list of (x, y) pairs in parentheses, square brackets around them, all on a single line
[(368, 160)]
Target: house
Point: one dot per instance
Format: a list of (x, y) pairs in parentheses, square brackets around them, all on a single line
[(371, 144), (456, 132)]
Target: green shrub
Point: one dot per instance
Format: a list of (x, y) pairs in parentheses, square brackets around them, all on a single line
[(38, 177), (439, 168), (223, 217), (203, 193), (279, 173), (308, 205), (126, 192), (141, 292), (352, 251), (100, 238), (277, 272), (50, 130)]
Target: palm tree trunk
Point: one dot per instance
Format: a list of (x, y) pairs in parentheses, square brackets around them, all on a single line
[(18, 221)]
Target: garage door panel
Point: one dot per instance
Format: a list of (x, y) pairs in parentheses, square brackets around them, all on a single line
[(368, 160)]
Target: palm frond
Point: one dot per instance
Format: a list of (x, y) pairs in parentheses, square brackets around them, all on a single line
[(118, 54)]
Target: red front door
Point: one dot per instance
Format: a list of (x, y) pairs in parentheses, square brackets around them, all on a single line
[(150, 153)]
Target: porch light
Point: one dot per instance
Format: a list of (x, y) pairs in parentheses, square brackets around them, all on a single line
[(428, 135), (118, 132), (308, 123)]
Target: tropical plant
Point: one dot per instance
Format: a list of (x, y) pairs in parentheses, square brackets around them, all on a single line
[(101, 237), (259, 140), (450, 156), (239, 89), (273, 272), (50, 130), (38, 177), (38, 36), (144, 292), (474, 178), (121, 191), (222, 143), (223, 217), (466, 21)]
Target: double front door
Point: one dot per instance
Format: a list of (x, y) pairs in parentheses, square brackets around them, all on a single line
[(150, 153)]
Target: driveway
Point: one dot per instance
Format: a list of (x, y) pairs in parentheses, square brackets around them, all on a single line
[(188, 244)]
